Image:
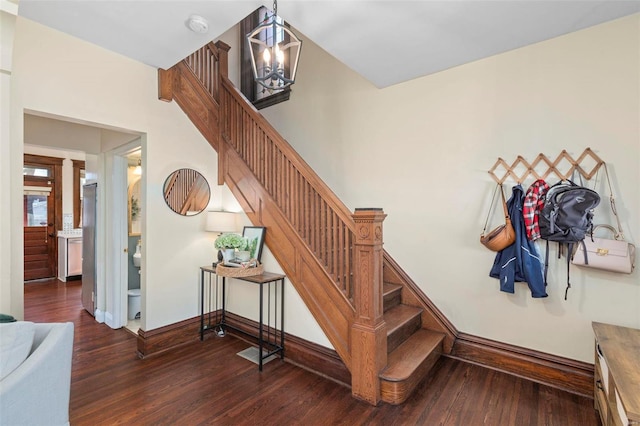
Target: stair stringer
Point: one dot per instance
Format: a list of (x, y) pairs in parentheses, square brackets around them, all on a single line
[(329, 306), (193, 99)]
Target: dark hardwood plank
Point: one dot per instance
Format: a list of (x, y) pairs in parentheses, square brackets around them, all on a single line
[(206, 383)]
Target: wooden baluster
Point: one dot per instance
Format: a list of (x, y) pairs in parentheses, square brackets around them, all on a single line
[(312, 217), (348, 265), (300, 206), (336, 250), (369, 331), (341, 253), (324, 247), (224, 133)]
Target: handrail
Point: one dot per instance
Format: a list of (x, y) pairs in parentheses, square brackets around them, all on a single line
[(319, 217)]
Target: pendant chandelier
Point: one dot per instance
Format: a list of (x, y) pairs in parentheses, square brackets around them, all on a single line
[(275, 51)]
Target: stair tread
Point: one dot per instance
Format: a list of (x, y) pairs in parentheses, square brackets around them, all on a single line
[(389, 288), (398, 315), (407, 357)]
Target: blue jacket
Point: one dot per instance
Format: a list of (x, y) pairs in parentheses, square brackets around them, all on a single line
[(522, 260)]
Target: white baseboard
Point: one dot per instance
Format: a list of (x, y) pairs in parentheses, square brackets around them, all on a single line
[(109, 320), (99, 316)]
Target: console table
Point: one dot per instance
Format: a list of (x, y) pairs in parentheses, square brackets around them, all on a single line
[(270, 337), (617, 374)]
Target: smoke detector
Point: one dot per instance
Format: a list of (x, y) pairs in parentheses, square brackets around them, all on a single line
[(198, 24)]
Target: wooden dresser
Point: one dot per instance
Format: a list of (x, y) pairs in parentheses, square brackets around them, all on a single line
[(617, 374)]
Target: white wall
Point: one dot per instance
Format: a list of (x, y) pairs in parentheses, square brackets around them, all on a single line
[(59, 75), (421, 150), (8, 298)]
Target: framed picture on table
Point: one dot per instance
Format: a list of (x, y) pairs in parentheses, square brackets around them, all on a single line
[(255, 235)]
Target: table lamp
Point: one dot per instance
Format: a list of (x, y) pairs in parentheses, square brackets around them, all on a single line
[(220, 222)]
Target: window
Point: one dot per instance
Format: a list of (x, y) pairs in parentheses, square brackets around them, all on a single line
[(38, 171), (35, 210), (42, 178), (255, 93)]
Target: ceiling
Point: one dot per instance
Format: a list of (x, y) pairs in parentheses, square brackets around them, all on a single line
[(387, 42)]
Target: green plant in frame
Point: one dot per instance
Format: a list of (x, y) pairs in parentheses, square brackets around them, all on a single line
[(135, 208), (255, 236), (253, 245), (245, 245)]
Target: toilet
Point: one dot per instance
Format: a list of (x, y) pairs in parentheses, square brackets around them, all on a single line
[(133, 311)]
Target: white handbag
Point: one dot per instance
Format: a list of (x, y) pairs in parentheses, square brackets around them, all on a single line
[(601, 253), (615, 255)]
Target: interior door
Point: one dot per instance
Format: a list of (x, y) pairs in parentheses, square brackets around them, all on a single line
[(39, 230)]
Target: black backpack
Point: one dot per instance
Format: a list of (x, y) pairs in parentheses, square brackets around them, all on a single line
[(567, 218)]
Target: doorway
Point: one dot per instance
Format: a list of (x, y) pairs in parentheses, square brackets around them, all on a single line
[(130, 190), (104, 149), (42, 210)]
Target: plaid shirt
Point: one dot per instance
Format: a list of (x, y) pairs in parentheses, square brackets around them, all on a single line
[(533, 203)]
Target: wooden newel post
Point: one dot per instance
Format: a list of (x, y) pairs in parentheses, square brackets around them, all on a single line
[(369, 331), (165, 84), (223, 50)]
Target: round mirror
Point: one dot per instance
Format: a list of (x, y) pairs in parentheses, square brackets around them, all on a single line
[(186, 192)]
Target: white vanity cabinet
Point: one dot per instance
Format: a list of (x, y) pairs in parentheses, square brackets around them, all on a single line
[(69, 255)]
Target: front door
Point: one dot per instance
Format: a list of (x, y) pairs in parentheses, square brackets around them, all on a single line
[(42, 215), (39, 231)]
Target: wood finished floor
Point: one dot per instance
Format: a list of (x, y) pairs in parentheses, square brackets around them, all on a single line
[(208, 384)]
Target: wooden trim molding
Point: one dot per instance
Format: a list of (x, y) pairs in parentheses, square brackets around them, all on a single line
[(78, 166), (300, 352), (551, 370), (562, 373), (308, 355), (156, 341)]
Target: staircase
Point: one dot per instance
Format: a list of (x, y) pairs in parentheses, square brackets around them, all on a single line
[(412, 350), (386, 331)]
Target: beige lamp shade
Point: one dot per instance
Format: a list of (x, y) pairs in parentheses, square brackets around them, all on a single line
[(220, 221)]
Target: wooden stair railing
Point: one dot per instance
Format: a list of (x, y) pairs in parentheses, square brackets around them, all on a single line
[(316, 214), (333, 258), (275, 188)]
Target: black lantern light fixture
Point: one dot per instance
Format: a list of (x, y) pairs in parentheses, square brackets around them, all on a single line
[(275, 51)]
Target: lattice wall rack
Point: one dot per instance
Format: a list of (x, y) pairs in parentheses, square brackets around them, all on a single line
[(521, 169)]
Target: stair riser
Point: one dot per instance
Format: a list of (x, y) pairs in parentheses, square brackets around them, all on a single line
[(402, 333), (391, 300), (397, 392)]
